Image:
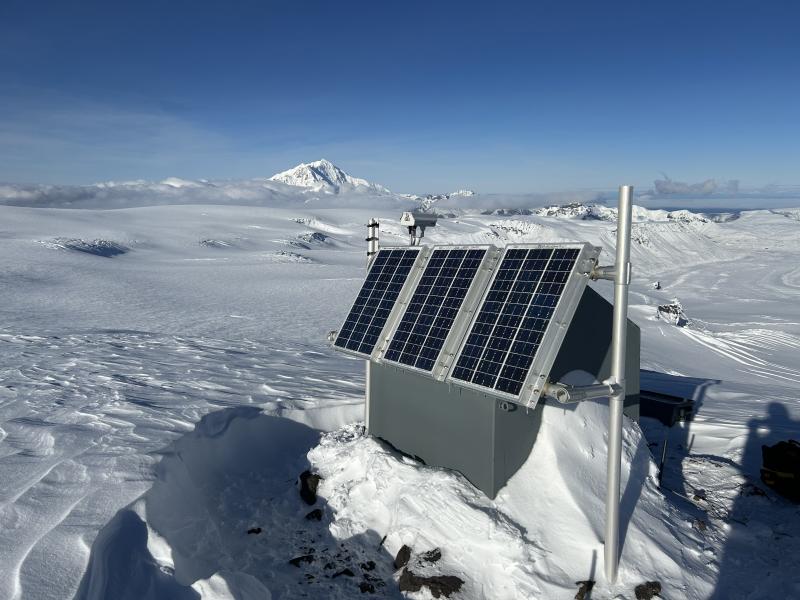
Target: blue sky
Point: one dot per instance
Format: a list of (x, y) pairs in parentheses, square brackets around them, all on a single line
[(419, 96)]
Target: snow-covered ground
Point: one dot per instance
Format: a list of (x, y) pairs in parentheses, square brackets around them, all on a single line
[(164, 379)]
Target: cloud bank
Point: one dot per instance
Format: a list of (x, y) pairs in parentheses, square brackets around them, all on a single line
[(667, 186)]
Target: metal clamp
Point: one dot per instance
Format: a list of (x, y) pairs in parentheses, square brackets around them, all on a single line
[(568, 394)]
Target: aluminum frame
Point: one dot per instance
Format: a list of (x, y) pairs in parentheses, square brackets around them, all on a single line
[(553, 336), (453, 341), (403, 297)]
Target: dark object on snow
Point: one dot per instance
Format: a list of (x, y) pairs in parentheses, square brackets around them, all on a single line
[(431, 556), (315, 515), (647, 590), (104, 248), (366, 587), (700, 525), (439, 585), (584, 590), (309, 482), (665, 408), (781, 468), (748, 489), (368, 566), (402, 558), (672, 312), (254, 531), (305, 558), (344, 571)]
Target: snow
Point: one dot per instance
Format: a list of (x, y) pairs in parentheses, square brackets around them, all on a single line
[(158, 403), (323, 175)]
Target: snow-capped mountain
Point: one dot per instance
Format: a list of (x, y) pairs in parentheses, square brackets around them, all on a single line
[(323, 176), (601, 212)]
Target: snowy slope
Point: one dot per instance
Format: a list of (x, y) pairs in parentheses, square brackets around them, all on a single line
[(165, 379)]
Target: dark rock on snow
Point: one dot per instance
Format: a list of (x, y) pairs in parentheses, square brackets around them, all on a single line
[(315, 515), (439, 585), (305, 558), (309, 482), (584, 590), (647, 590), (402, 558), (431, 556), (366, 587), (344, 571), (254, 531)]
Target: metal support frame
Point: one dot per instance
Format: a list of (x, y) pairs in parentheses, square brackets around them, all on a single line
[(622, 277)]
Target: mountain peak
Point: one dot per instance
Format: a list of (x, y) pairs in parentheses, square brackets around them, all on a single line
[(323, 176)]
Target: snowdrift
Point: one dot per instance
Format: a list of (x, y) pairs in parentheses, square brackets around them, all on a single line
[(237, 471)]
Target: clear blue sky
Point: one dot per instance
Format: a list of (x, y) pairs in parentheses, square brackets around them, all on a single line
[(418, 96)]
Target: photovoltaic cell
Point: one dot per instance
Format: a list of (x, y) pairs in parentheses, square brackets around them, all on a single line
[(368, 315), (434, 306), (510, 325)]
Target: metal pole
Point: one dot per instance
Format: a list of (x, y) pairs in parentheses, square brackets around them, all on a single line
[(373, 245), (616, 402)]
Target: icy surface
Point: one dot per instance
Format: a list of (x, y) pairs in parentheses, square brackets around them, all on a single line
[(165, 379)]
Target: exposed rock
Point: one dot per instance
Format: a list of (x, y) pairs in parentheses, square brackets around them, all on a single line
[(402, 558), (366, 587), (315, 515), (368, 566), (584, 589), (700, 525), (673, 313), (431, 556), (309, 482), (439, 585), (254, 531), (305, 558), (647, 590), (344, 571)]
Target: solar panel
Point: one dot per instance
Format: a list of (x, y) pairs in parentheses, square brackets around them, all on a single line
[(432, 310), (368, 315), (513, 319)]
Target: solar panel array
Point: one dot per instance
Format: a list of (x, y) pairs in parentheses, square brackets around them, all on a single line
[(508, 330), (368, 315), (434, 306)]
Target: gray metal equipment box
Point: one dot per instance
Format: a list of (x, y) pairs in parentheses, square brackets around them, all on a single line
[(485, 438)]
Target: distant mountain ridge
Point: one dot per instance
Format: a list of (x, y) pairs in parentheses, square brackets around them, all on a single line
[(323, 176)]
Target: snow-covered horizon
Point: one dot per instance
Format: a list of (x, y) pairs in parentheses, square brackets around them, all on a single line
[(323, 182)]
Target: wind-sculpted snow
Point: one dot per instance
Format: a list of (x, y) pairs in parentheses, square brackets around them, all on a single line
[(85, 417), (220, 309)]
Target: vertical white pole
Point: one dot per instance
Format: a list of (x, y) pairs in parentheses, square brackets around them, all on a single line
[(372, 250), (616, 402)]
